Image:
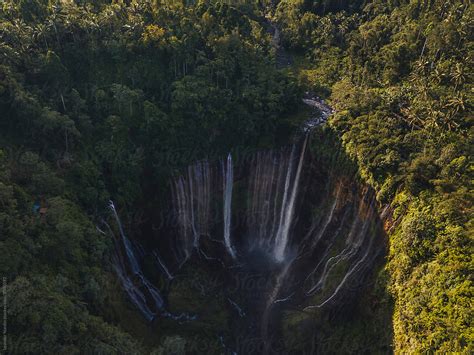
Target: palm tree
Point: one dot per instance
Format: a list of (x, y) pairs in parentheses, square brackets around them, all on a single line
[(40, 30), (458, 75)]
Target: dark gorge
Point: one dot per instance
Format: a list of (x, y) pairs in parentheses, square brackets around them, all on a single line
[(274, 242)]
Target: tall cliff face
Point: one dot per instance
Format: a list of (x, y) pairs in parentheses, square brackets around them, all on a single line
[(283, 236)]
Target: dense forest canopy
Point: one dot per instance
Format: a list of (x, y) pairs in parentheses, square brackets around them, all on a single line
[(105, 100)]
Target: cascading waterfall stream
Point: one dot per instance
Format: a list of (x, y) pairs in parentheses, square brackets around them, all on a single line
[(137, 290), (282, 234), (228, 174), (143, 294), (192, 204), (128, 246)]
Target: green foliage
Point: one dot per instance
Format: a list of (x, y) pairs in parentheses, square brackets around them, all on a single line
[(399, 75), (430, 265), (44, 319)]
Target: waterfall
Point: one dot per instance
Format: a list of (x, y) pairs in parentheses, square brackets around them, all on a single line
[(283, 230), (272, 191), (299, 247), (139, 287), (357, 236), (126, 243), (228, 174), (282, 234), (135, 295), (184, 222), (313, 247), (162, 265), (191, 200), (273, 183), (143, 294), (283, 210)]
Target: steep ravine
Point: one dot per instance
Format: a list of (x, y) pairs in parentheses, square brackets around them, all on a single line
[(265, 254)]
